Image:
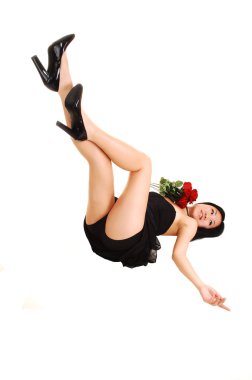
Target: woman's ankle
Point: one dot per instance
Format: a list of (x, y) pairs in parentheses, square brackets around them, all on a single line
[(64, 90)]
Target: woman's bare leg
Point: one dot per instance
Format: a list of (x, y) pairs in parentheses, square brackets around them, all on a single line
[(127, 216), (122, 154), (100, 166)]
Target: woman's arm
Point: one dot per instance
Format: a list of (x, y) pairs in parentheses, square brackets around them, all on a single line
[(209, 294), (186, 233)]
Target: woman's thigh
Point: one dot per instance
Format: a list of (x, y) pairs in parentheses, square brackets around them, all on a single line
[(126, 218), (101, 181)]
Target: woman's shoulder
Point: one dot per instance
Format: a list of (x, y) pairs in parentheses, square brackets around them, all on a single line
[(188, 227)]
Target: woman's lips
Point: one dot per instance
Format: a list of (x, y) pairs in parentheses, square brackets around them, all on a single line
[(201, 214)]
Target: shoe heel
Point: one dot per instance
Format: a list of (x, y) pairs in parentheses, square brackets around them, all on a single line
[(66, 129), (42, 71), (73, 106)]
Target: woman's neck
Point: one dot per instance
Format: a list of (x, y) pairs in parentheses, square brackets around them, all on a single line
[(189, 211)]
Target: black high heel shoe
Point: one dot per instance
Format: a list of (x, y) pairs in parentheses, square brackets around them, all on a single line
[(51, 76), (73, 105)]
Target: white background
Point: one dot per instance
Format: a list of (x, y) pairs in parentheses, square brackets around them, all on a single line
[(171, 78)]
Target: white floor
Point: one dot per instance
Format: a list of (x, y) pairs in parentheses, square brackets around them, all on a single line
[(174, 80)]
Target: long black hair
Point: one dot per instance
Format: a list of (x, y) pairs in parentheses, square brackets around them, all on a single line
[(211, 232)]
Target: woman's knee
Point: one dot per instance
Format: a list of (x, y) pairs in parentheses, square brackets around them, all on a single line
[(146, 162)]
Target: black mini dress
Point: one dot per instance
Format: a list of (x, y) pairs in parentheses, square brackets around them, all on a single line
[(141, 248)]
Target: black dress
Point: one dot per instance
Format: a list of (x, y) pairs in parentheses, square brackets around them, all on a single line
[(141, 248)]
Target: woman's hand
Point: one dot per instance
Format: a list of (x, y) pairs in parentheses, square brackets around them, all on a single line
[(211, 296)]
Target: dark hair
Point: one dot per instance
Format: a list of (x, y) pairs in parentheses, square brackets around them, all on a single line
[(211, 232)]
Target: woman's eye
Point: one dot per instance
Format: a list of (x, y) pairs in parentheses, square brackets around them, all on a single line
[(210, 223), (212, 211)]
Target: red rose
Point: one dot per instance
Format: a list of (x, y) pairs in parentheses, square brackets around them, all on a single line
[(182, 202), (193, 196), (187, 188)]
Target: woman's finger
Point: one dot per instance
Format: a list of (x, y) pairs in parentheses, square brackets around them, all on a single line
[(217, 295), (224, 307), (212, 301), (221, 299), (216, 302)]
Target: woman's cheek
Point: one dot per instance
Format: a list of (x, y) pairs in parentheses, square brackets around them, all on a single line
[(202, 224)]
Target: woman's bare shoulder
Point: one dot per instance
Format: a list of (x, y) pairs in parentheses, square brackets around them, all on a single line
[(192, 222), (188, 227)]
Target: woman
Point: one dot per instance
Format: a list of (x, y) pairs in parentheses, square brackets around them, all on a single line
[(126, 228)]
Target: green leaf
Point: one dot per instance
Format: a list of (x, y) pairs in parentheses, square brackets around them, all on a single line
[(179, 183), (162, 180)]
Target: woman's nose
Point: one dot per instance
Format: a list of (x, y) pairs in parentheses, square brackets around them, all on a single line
[(207, 216)]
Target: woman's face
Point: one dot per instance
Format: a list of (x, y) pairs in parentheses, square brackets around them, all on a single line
[(206, 216)]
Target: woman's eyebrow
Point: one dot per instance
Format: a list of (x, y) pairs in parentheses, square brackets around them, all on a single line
[(215, 215)]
